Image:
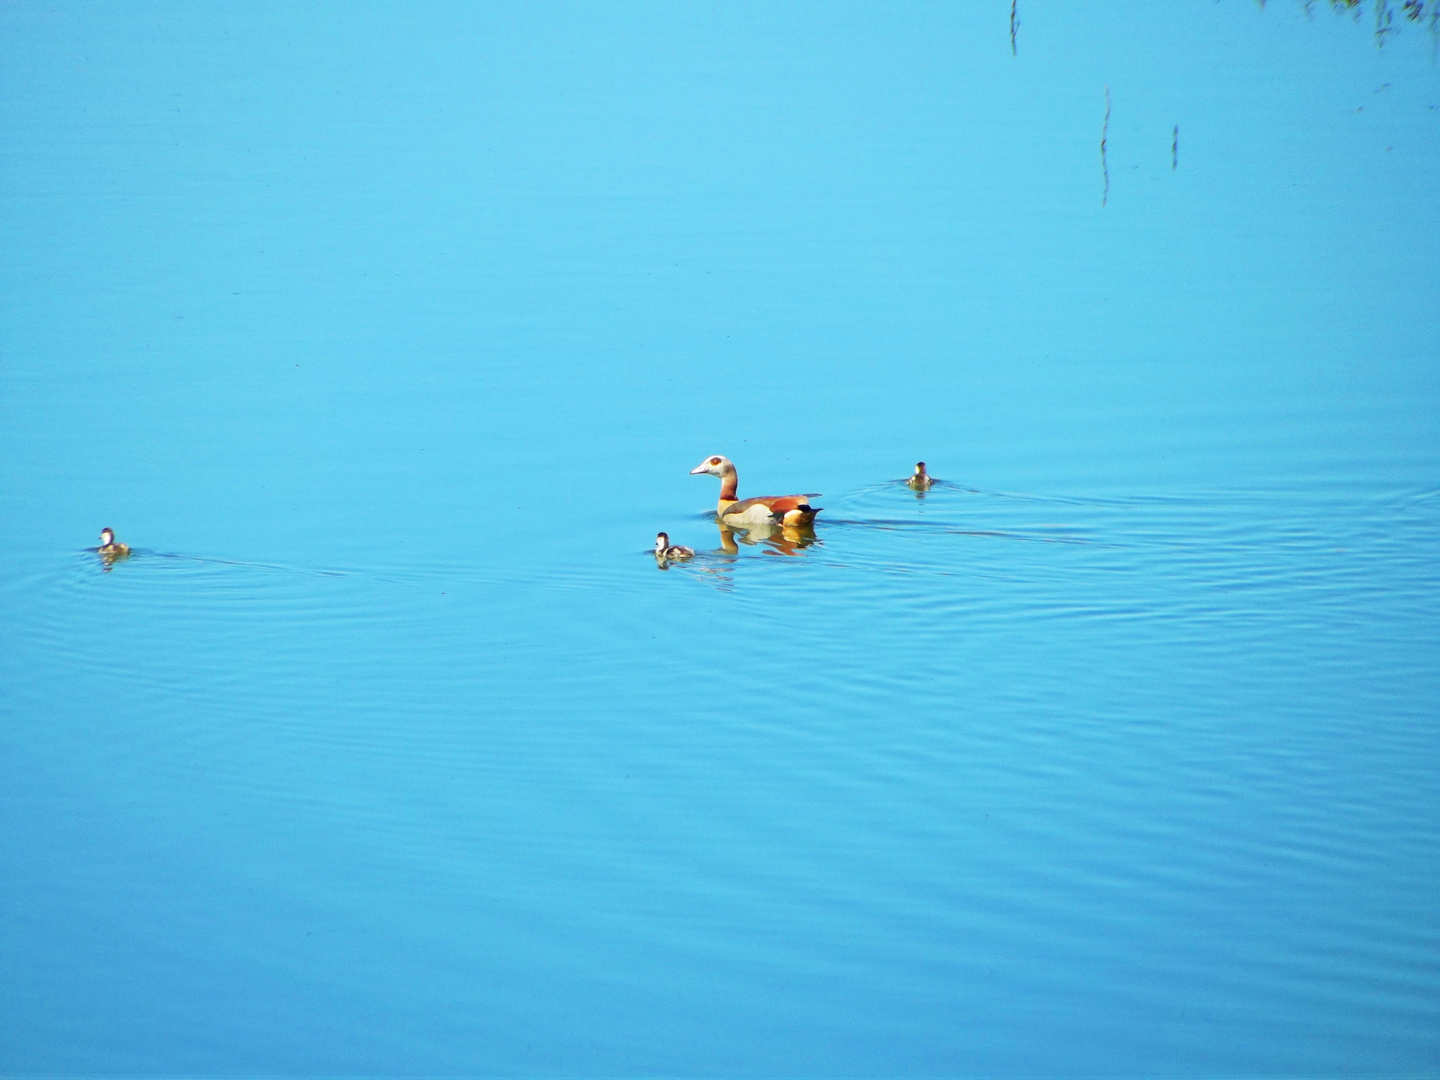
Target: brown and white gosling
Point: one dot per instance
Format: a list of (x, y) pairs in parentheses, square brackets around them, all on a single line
[(666, 550), (766, 510), (922, 479), (109, 548)]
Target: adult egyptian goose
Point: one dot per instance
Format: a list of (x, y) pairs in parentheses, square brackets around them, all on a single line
[(766, 510), (108, 548), (922, 479), (666, 550)]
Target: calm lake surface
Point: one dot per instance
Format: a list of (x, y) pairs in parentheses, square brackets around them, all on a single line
[(388, 337)]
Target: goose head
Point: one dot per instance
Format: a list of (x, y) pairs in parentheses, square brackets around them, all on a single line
[(715, 465)]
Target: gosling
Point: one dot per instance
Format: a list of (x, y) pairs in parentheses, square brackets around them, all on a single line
[(109, 548), (666, 550)]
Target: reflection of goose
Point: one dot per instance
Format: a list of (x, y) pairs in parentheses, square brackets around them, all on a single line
[(778, 539), (665, 550), (922, 479), (766, 510), (108, 548)]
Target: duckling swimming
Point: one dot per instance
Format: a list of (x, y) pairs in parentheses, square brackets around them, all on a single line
[(108, 548), (922, 480), (665, 550)]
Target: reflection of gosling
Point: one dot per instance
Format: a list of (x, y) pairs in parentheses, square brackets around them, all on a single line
[(665, 550), (109, 548), (922, 479)]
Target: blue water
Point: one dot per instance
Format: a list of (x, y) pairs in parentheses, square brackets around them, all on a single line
[(388, 338)]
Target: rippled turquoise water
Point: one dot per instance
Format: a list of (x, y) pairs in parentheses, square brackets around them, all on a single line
[(389, 339)]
